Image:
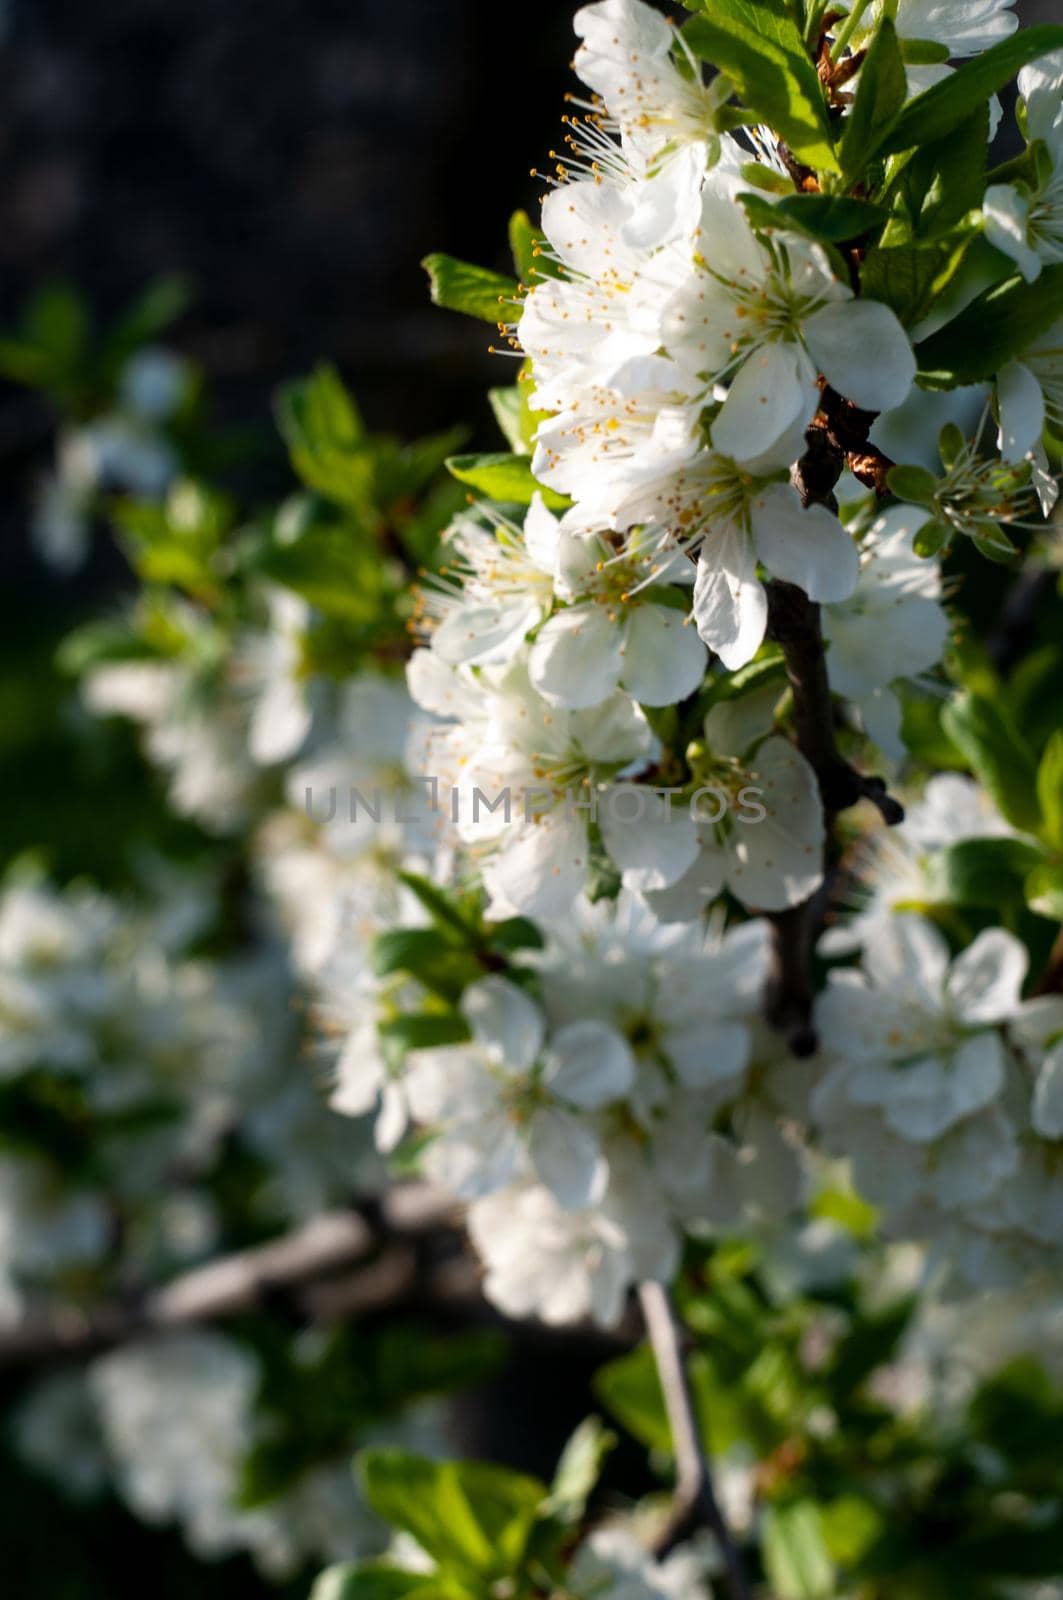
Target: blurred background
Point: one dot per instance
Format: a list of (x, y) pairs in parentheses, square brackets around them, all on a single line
[(291, 162)]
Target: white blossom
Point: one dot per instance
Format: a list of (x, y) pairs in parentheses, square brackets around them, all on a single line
[(917, 1037), (1026, 222), (517, 1100)]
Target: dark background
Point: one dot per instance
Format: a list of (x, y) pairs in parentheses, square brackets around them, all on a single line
[(295, 159)]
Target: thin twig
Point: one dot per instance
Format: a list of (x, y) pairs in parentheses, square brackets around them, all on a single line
[(407, 1257), (332, 1243), (695, 1503), (837, 437)]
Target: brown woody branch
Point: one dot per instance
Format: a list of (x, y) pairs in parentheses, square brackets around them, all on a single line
[(294, 1266), (409, 1258), (838, 437), (694, 1504)]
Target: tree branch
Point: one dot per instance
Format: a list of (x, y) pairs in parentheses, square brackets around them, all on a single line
[(838, 436), (406, 1258), (695, 1503), (290, 1265)]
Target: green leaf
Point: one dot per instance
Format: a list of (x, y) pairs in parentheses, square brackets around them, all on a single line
[(758, 45), (850, 1526), (526, 243), (151, 313), (516, 933), (795, 1553), (422, 952), (469, 1516), (442, 910), (766, 178), (933, 190), (923, 52), (993, 330), (374, 1581), (326, 437), (423, 1030), (503, 477), (869, 1344), (578, 1470), (832, 219), (997, 755), (933, 115), (459, 286), (910, 277), (982, 872), (1050, 791), (881, 91), (1043, 891), (630, 1389), (932, 538), (508, 410), (915, 484)]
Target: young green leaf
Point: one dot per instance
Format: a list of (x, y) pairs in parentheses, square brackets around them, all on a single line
[(469, 1516), (509, 414), (326, 436), (375, 1581), (460, 286), (998, 756), (503, 477), (444, 969), (993, 330), (578, 1470), (933, 189), (795, 1553), (915, 484), (760, 48), (911, 277), (423, 1030), (1044, 891), (1050, 791), (933, 115), (831, 219), (983, 872), (881, 91)]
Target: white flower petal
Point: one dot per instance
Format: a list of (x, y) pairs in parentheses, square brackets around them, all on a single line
[(576, 658), (439, 688), (566, 1156), (1022, 411), (701, 883), (706, 1054), (540, 870), (985, 983), (931, 1096), (280, 722), (653, 848), (863, 352), (1047, 1112), (589, 1064), (778, 861), (505, 1021), (478, 634), (773, 392), (664, 659), (730, 605), (1006, 219), (542, 535), (804, 545)]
